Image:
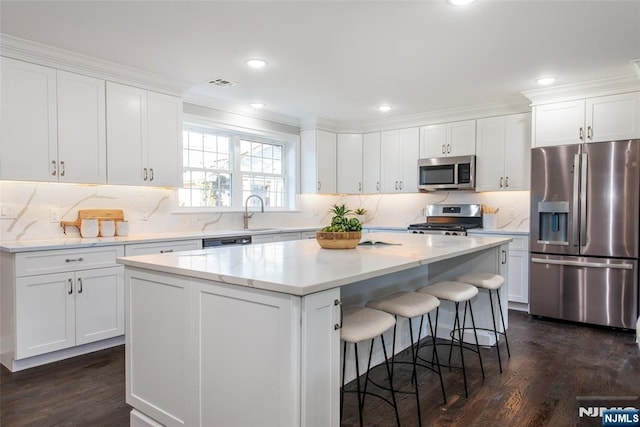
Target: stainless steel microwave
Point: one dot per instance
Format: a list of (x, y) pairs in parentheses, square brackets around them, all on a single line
[(447, 173)]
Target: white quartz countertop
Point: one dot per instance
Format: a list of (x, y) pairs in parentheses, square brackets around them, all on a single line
[(499, 231), (301, 267), (78, 242)]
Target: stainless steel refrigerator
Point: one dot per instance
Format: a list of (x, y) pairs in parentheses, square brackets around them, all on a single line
[(585, 215)]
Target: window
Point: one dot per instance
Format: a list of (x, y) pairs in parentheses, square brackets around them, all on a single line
[(221, 169)]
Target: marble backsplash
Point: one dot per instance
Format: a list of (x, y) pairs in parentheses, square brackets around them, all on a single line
[(33, 210)]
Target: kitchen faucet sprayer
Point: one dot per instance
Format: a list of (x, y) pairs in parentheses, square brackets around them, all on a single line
[(246, 215)]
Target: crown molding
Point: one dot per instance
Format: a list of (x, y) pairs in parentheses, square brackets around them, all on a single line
[(37, 53), (571, 92), (205, 101)]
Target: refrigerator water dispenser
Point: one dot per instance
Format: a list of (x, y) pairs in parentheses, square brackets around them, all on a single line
[(554, 221)]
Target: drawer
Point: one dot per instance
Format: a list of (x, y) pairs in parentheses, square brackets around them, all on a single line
[(519, 243), (62, 260), (162, 247)]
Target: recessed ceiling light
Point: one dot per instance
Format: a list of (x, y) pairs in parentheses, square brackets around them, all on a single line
[(384, 108), (460, 2), (256, 63), (546, 80), (257, 104)]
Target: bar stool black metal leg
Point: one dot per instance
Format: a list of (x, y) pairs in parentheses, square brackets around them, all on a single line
[(393, 395), (459, 329), (504, 328), (393, 348), (413, 356), (366, 381), (344, 364), (475, 333), (456, 325), (355, 346), (495, 330), (433, 340)]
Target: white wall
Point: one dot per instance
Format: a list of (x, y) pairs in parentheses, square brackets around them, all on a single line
[(33, 202)]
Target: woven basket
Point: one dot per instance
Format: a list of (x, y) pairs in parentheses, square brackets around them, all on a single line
[(338, 240)]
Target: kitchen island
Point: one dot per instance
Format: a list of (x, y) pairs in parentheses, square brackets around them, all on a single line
[(249, 335)]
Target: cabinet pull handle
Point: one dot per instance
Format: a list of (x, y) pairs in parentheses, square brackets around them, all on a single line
[(377, 185), (443, 148), (145, 175), (166, 251), (401, 185), (581, 134), (151, 174), (504, 257), (62, 169), (74, 259), (396, 185), (70, 291), (448, 148), (79, 285), (319, 185), (500, 182), (589, 132), (55, 168), (337, 326), (360, 186), (506, 182)]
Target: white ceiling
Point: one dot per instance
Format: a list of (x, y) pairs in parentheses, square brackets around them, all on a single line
[(338, 60)]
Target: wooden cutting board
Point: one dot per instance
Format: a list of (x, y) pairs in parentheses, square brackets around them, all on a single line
[(99, 214)]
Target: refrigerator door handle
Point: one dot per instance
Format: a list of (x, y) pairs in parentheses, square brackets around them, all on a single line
[(576, 199), (582, 264), (583, 199)]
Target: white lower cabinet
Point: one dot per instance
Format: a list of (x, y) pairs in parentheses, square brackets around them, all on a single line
[(57, 300), (162, 247), (518, 276)]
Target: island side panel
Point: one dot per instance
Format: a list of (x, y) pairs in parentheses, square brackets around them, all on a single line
[(157, 344), (494, 260), (247, 344), (320, 359)]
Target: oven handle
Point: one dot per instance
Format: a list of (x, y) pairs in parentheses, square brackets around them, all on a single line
[(582, 264)]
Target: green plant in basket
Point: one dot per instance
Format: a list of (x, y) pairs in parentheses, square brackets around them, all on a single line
[(340, 222)]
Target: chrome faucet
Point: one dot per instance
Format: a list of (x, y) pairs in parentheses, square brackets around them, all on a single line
[(246, 215)]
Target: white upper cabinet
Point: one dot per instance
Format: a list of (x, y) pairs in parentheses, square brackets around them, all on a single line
[(58, 119), (28, 135), (503, 153), (143, 136), (318, 162), (399, 170), (604, 118), (371, 182), (448, 139), (82, 150), (349, 163)]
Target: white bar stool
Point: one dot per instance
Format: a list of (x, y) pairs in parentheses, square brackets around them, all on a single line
[(457, 292), (363, 324), (490, 282), (410, 305)]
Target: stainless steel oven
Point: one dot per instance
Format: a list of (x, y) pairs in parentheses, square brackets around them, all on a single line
[(449, 219), (447, 173)]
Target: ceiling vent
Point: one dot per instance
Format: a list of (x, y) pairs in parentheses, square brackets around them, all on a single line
[(222, 83)]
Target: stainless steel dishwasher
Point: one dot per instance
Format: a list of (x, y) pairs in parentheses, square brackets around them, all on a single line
[(211, 242)]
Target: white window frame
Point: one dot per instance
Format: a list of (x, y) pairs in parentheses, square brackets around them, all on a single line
[(291, 162)]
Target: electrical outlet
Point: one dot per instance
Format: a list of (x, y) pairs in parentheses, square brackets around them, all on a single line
[(7, 212), (54, 215)]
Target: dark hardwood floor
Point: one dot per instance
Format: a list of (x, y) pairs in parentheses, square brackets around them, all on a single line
[(551, 364)]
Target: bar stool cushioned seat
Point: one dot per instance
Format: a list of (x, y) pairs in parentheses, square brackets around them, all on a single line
[(362, 324), (406, 304), (482, 280), (490, 282), (450, 291)]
